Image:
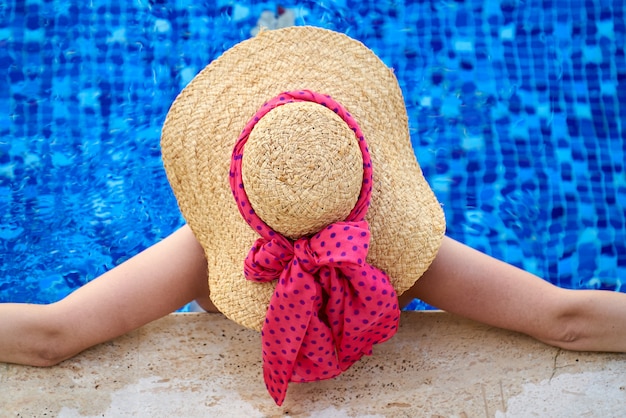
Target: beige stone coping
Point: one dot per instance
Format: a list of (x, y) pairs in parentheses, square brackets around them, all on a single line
[(438, 365)]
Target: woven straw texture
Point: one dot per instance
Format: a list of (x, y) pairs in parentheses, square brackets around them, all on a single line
[(204, 122), (302, 169)]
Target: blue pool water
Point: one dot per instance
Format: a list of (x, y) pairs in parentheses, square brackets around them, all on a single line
[(517, 108)]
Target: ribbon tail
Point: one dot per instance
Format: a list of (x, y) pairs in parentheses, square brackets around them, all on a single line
[(278, 391), (284, 332), (317, 359), (363, 311)]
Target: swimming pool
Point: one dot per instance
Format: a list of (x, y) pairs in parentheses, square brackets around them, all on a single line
[(517, 109)]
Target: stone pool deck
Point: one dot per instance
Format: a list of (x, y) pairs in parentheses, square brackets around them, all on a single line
[(438, 365)]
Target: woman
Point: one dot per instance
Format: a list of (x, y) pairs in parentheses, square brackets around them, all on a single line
[(332, 180)]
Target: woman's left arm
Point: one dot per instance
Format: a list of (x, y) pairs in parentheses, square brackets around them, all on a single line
[(146, 287)]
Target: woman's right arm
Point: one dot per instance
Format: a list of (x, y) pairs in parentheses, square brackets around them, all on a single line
[(474, 285)]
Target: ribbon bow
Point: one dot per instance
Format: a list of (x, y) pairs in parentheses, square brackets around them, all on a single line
[(329, 306)]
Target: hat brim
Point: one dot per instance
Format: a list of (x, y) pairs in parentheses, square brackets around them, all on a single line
[(204, 122)]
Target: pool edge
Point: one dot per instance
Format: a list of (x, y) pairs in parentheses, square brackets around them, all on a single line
[(195, 364)]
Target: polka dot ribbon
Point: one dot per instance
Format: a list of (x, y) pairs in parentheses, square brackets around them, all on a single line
[(329, 307)]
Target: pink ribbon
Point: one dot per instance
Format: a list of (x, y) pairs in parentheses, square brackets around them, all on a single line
[(329, 307)]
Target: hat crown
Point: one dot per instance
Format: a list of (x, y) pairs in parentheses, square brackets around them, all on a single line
[(302, 168)]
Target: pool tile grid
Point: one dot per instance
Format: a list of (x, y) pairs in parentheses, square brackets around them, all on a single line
[(517, 115)]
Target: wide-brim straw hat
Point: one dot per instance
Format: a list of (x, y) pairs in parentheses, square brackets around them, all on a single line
[(206, 119)]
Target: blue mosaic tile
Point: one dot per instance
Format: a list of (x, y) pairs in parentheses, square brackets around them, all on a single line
[(517, 113)]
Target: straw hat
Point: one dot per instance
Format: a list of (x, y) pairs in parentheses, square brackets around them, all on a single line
[(302, 167)]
